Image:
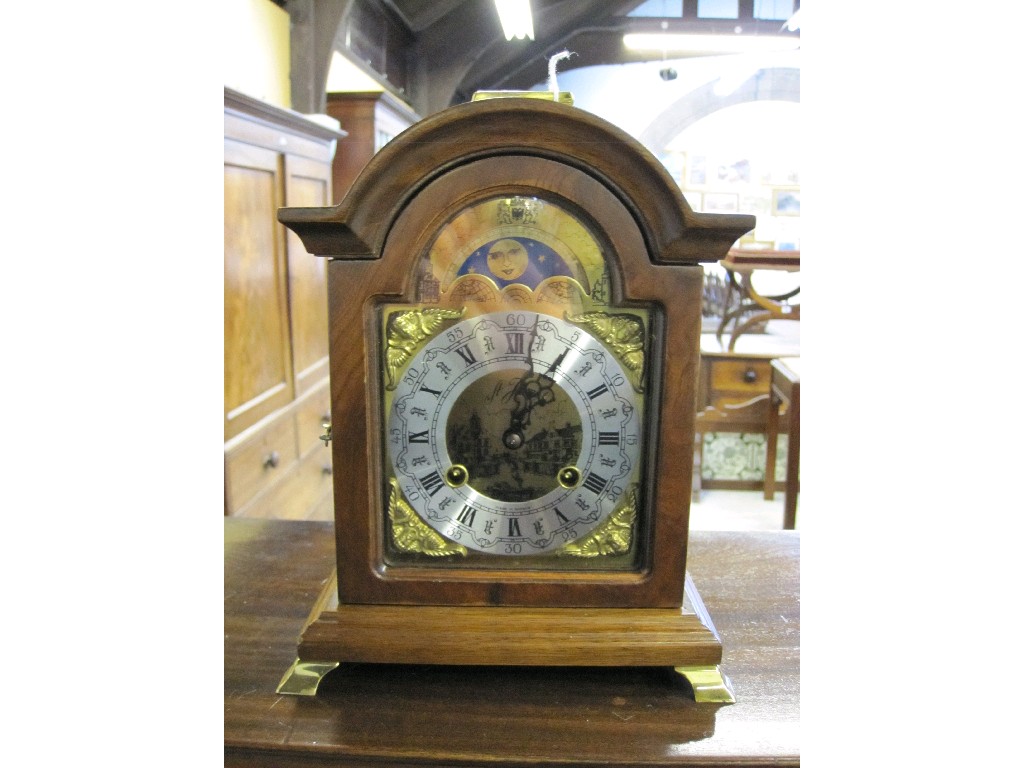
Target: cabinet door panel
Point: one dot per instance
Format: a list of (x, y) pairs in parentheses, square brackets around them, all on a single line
[(308, 185), (257, 358)]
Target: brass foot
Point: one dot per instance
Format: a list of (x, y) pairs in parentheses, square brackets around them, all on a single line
[(303, 677), (709, 684)]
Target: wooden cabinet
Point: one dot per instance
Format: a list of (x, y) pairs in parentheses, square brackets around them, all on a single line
[(737, 380), (371, 120), (733, 397), (275, 312)]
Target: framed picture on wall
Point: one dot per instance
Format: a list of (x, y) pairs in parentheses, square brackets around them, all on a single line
[(698, 175), (732, 171), (786, 202), (721, 202), (757, 204)]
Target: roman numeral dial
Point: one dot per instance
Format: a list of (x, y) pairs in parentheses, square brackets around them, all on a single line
[(514, 433)]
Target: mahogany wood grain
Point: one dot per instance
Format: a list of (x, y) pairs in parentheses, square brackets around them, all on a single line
[(654, 245), (307, 183), (371, 119), (275, 311), (399, 715), (297, 493), (358, 226), (355, 287), (257, 357), (312, 410), (426, 634), (258, 461)]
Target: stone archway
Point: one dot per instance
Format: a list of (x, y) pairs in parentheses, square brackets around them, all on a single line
[(769, 84)]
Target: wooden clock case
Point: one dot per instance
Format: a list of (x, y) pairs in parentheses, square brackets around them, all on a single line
[(376, 612)]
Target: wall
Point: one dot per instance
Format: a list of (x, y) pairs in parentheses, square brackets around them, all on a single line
[(726, 128), (345, 76), (257, 50)]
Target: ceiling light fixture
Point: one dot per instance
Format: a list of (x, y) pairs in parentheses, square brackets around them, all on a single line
[(516, 19), (679, 43)]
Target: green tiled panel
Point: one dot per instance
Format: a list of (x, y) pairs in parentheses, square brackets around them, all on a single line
[(740, 456)]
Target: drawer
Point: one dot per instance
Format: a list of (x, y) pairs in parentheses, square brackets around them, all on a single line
[(257, 463), (300, 494), (310, 415), (744, 376)]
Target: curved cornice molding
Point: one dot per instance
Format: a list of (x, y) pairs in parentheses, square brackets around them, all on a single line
[(357, 227)]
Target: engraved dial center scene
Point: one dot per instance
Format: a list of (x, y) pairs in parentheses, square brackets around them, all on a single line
[(514, 439)]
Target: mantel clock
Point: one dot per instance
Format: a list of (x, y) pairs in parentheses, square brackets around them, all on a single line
[(515, 303)]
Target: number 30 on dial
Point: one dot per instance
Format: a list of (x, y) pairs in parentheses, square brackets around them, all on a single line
[(514, 433)]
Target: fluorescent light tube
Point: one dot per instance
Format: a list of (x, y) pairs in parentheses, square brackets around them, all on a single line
[(516, 19), (668, 42)]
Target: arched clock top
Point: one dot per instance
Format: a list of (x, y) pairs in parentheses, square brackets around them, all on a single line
[(358, 226)]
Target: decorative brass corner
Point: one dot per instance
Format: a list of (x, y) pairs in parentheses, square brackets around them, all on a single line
[(407, 331), (613, 537), (624, 335), (410, 534)]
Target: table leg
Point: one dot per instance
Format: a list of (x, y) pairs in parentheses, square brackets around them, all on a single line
[(771, 446), (698, 462), (792, 460)]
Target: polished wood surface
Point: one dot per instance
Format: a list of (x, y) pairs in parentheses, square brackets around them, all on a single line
[(257, 359), (359, 225), (275, 314), (395, 715), (307, 183), (430, 173), (371, 119), (428, 634), (355, 377)]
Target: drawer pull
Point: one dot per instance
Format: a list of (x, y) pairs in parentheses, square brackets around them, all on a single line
[(327, 469), (750, 375), (326, 436), (271, 460)]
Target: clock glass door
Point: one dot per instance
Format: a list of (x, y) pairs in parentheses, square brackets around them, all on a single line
[(513, 396)]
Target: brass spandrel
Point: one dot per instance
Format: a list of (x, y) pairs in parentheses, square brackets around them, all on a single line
[(406, 333), (624, 335), (613, 537), (410, 534)]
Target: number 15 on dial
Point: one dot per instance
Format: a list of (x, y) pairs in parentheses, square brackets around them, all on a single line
[(515, 433)]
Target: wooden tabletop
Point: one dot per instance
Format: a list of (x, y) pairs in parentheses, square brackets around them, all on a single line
[(748, 260), (787, 368), (390, 715)]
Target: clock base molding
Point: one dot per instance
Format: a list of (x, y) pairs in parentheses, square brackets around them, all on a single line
[(682, 639)]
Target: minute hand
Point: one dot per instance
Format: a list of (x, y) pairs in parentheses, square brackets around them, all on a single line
[(554, 366), (538, 390)]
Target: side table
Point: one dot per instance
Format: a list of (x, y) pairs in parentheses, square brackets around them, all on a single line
[(753, 307)]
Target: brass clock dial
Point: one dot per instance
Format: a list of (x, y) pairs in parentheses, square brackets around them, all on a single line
[(515, 433)]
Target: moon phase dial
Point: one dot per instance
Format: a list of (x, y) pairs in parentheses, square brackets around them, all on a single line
[(514, 433)]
